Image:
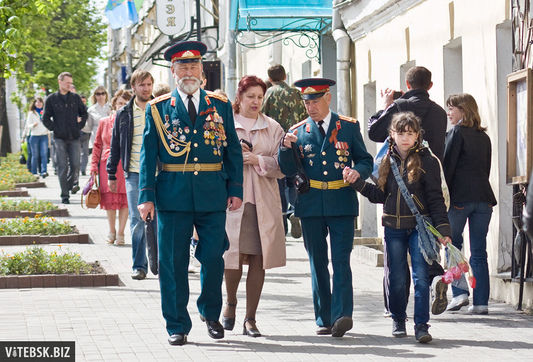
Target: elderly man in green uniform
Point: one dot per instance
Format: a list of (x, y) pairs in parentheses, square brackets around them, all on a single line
[(193, 135), (331, 151)]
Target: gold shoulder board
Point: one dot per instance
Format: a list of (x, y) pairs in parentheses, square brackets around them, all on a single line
[(349, 119), (220, 97), (298, 124), (160, 98)]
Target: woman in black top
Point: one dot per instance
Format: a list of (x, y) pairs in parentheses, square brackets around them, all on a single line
[(467, 160)]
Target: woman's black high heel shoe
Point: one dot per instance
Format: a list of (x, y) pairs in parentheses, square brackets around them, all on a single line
[(252, 332), (229, 323)]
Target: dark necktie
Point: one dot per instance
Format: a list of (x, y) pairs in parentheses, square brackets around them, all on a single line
[(192, 110), (322, 132)]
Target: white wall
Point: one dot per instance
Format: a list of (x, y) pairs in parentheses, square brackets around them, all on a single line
[(380, 53)]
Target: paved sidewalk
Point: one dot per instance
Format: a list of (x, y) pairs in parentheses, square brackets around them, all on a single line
[(125, 323)]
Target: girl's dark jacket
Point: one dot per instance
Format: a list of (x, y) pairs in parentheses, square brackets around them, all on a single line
[(426, 193)]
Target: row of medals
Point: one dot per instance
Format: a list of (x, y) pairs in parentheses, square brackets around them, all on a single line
[(175, 132), (342, 155), (214, 134)]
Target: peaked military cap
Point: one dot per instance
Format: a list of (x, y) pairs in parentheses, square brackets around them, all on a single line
[(314, 87), (186, 52)]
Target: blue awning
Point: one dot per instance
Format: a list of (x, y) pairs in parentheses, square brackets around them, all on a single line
[(282, 15)]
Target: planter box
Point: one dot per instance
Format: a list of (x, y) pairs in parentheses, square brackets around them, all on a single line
[(14, 193), (31, 185), (54, 213), (44, 239), (108, 278)]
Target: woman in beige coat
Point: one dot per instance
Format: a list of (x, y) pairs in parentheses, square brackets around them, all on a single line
[(255, 231)]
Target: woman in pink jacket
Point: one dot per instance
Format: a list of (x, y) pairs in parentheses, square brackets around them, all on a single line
[(255, 231), (110, 201)]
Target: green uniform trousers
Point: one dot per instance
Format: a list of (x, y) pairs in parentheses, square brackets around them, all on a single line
[(330, 304), (174, 238)]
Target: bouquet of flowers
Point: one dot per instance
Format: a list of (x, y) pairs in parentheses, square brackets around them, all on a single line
[(457, 263)]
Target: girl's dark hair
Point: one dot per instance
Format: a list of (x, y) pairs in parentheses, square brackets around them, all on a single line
[(466, 103), (246, 82), (402, 122), (32, 106)]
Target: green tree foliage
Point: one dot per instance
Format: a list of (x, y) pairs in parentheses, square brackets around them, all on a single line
[(16, 17), (68, 39)]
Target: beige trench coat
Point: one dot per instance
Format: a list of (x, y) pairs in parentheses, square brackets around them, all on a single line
[(266, 138)]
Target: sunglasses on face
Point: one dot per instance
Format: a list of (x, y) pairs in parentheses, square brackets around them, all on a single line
[(99, 94)]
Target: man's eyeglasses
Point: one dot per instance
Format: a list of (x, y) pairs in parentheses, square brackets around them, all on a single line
[(99, 94)]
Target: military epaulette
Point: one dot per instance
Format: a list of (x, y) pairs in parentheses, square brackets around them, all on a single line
[(160, 98), (220, 97), (298, 124), (349, 119)]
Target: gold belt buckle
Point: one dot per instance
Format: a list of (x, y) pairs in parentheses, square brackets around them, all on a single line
[(197, 167), (324, 185)]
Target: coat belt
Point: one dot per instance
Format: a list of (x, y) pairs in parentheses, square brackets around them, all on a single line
[(190, 167), (328, 185)]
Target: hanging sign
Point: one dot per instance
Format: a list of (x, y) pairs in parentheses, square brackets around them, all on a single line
[(173, 16)]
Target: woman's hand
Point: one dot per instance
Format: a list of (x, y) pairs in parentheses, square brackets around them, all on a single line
[(249, 158), (290, 138), (35, 124), (445, 240), (94, 173)]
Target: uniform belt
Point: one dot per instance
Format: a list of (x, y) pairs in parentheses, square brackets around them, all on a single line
[(328, 185), (190, 167)]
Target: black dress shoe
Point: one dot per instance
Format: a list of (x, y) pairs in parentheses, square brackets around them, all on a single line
[(229, 322), (138, 274), (74, 189), (252, 332), (341, 326), (214, 329), (177, 339), (321, 331), (65, 201)]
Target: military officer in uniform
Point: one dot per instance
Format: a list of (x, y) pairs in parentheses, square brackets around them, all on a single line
[(193, 135), (328, 145)]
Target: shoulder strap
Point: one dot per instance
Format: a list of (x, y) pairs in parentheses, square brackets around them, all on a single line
[(403, 189)]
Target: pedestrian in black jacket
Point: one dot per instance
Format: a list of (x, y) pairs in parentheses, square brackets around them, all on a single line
[(467, 160), (433, 118), (126, 143), (416, 100), (61, 112), (420, 171)]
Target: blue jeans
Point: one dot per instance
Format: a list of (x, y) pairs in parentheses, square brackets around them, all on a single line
[(68, 164), (39, 153), (478, 215), (138, 237), (398, 242)]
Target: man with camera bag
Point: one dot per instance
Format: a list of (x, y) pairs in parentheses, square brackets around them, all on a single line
[(327, 144)]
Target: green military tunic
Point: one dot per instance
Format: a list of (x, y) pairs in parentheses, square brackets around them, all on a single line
[(329, 207), (202, 166)]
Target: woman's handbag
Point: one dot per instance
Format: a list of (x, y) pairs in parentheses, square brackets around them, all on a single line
[(427, 242), (91, 191)]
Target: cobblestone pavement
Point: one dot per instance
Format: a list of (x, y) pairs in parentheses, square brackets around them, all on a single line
[(125, 323)]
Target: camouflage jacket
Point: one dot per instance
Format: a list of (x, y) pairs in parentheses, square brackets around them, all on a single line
[(284, 104)]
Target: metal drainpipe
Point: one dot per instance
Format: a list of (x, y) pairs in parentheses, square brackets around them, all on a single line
[(231, 88), (343, 43)]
